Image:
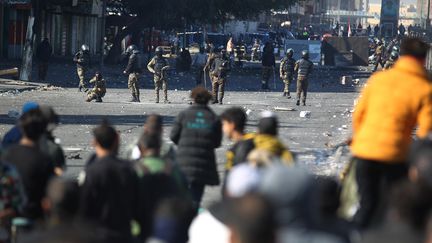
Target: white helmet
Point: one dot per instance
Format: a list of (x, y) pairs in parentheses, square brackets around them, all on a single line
[(85, 47)]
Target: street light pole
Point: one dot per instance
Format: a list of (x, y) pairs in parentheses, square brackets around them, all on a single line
[(103, 34)]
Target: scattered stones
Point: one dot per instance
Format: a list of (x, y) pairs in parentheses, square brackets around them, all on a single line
[(305, 114), (345, 80)]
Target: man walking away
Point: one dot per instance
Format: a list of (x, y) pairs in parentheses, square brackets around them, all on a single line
[(83, 62), (43, 54), (268, 65), (198, 63), (392, 104), (197, 133), (286, 71), (304, 68), (133, 69)]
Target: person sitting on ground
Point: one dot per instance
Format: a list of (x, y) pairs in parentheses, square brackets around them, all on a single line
[(99, 89), (34, 167), (109, 194)]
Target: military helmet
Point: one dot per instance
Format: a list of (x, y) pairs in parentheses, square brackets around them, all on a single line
[(290, 52), (305, 54), (85, 47), (394, 55), (395, 49), (131, 48), (159, 50)]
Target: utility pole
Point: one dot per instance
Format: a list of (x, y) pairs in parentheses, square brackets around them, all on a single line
[(428, 15), (102, 48)]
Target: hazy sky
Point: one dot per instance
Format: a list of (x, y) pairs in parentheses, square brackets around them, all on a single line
[(402, 1)]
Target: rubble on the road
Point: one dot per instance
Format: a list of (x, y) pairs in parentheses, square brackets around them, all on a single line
[(305, 114), (277, 108), (49, 88)]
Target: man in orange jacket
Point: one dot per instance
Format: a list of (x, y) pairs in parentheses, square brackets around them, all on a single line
[(393, 103)]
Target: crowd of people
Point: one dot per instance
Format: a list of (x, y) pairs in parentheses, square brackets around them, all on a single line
[(155, 195)]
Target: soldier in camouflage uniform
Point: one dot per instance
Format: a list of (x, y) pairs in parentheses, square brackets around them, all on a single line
[(133, 69), (287, 71), (303, 67), (392, 60), (219, 68), (158, 66), (98, 90), (83, 62)]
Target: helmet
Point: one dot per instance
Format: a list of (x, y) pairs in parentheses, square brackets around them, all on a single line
[(159, 50), (305, 54), (85, 47), (131, 48), (394, 55), (395, 49), (290, 52)]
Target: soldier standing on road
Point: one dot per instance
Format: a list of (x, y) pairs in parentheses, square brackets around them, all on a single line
[(158, 66), (287, 71), (98, 90), (219, 68), (43, 54), (133, 69), (268, 65), (379, 55), (83, 62), (303, 67)]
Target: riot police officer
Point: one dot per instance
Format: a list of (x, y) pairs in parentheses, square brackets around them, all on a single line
[(303, 67), (83, 62), (133, 69), (287, 71), (219, 68), (158, 65)]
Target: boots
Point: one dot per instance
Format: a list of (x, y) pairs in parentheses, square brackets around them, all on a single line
[(298, 103), (133, 99), (284, 94), (157, 97), (166, 97), (288, 95)]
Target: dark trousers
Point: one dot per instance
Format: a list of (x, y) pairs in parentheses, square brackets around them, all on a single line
[(43, 69), (379, 61), (199, 75), (375, 180), (197, 192)]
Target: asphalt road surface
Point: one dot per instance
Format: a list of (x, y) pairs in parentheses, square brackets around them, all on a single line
[(313, 140)]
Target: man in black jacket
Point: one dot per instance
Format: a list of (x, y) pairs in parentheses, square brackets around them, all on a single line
[(133, 69), (109, 193), (43, 54), (268, 65), (197, 132)]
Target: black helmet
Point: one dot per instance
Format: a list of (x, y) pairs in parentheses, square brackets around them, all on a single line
[(305, 54), (159, 50), (290, 52), (131, 49)]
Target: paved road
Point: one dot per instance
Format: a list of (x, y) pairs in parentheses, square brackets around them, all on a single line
[(329, 102)]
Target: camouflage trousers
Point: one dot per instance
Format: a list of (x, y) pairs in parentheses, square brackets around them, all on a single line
[(95, 95), (287, 79), (302, 86), (133, 84), (266, 74), (81, 75), (218, 87), (161, 83)]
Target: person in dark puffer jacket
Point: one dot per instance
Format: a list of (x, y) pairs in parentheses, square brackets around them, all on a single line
[(197, 132)]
